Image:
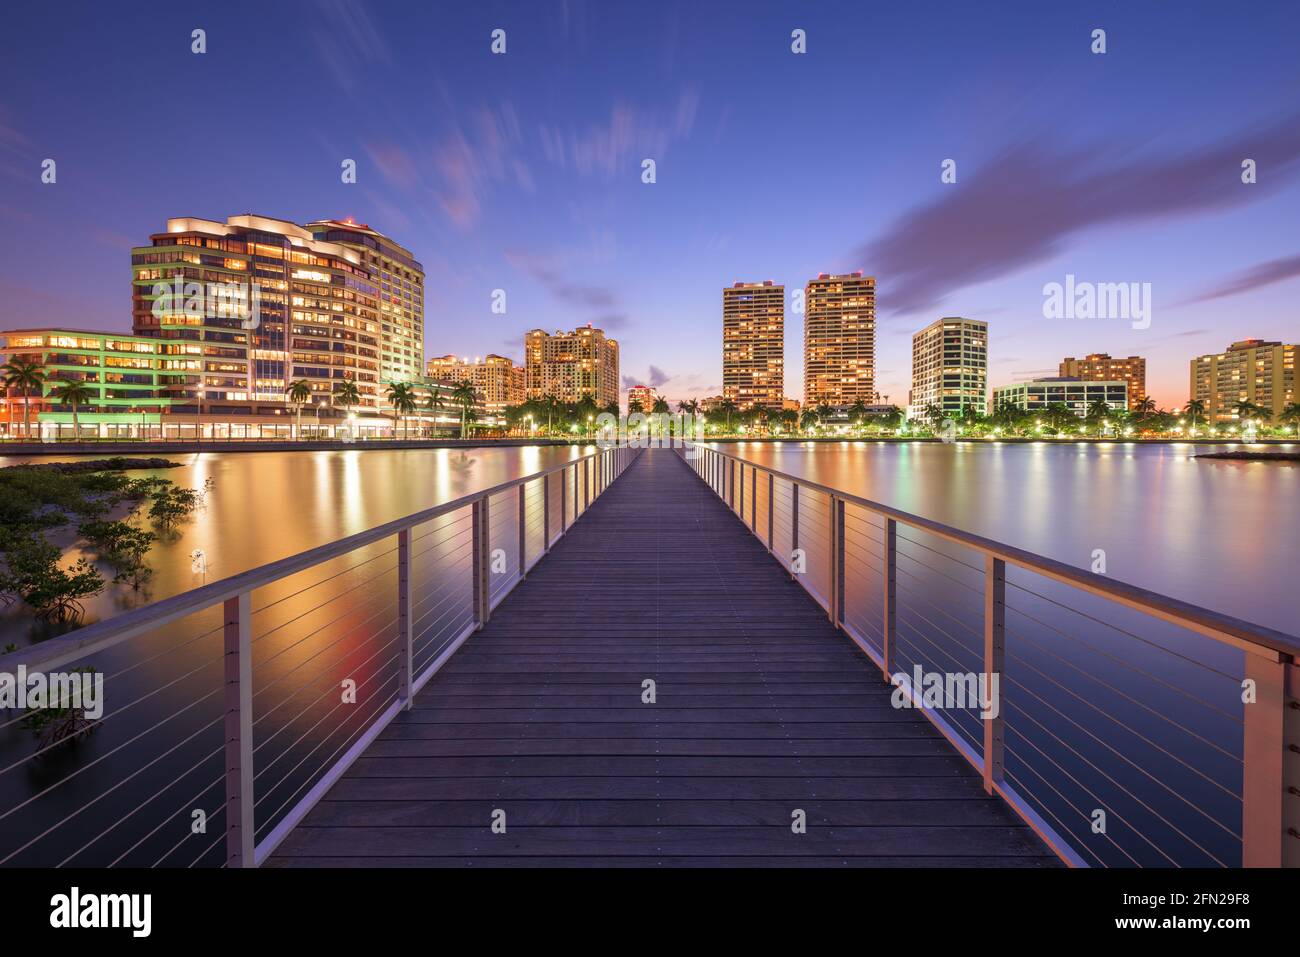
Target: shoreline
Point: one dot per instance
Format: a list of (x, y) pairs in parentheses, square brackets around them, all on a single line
[(33, 449), (110, 448)]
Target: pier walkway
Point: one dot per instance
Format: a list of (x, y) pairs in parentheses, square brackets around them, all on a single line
[(763, 715)]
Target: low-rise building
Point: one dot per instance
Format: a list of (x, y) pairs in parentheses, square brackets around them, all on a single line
[(1078, 395)]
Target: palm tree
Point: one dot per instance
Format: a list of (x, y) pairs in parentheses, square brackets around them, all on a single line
[(728, 408), (551, 403), (857, 412), (933, 414), (586, 410), (1098, 410), (347, 395), (1146, 407), (24, 374), (808, 420), (1249, 410), (299, 393), (1290, 413), (434, 403), (402, 399), (463, 396), (1195, 409), (73, 394), (661, 406)]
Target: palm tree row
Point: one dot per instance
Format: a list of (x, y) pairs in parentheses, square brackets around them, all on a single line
[(548, 415)]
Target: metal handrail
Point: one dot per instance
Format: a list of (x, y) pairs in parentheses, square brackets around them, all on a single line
[(1236, 631), (1270, 725)]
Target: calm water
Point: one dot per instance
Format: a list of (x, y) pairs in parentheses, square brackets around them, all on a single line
[(266, 506), (1103, 709)]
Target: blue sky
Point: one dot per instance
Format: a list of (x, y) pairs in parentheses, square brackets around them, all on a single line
[(523, 171)]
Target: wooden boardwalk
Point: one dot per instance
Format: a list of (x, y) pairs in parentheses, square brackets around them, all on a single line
[(762, 708)]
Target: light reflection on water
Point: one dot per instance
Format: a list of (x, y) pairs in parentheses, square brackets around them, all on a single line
[(265, 506)]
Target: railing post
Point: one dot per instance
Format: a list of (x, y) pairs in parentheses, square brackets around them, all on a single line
[(1265, 798), (794, 522), (564, 499), (523, 529), (482, 560), (587, 472), (995, 586), (889, 626), (837, 561), (238, 662), (404, 617), (546, 513), (1291, 766), (771, 510), (576, 483), (753, 498)]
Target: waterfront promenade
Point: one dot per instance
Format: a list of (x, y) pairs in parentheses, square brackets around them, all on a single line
[(763, 714)]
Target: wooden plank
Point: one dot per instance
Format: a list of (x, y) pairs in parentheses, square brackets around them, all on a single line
[(662, 731), (644, 813), (577, 861), (775, 841), (761, 707), (874, 747)]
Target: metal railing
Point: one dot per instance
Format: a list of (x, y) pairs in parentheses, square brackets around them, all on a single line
[(1131, 729), (234, 707)]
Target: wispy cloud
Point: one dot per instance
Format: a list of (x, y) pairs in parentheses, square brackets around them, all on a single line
[(15, 150), (1264, 274), (630, 135), (347, 40), (654, 377), (550, 273), (1026, 204), (553, 274), (456, 171)]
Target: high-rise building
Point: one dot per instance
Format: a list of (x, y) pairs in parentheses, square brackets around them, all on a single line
[(643, 396), (497, 381), (317, 310), (1078, 395), (753, 344), (400, 279), (1100, 367), (569, 365), (950, 360), (1262, 373), (839, 341)]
